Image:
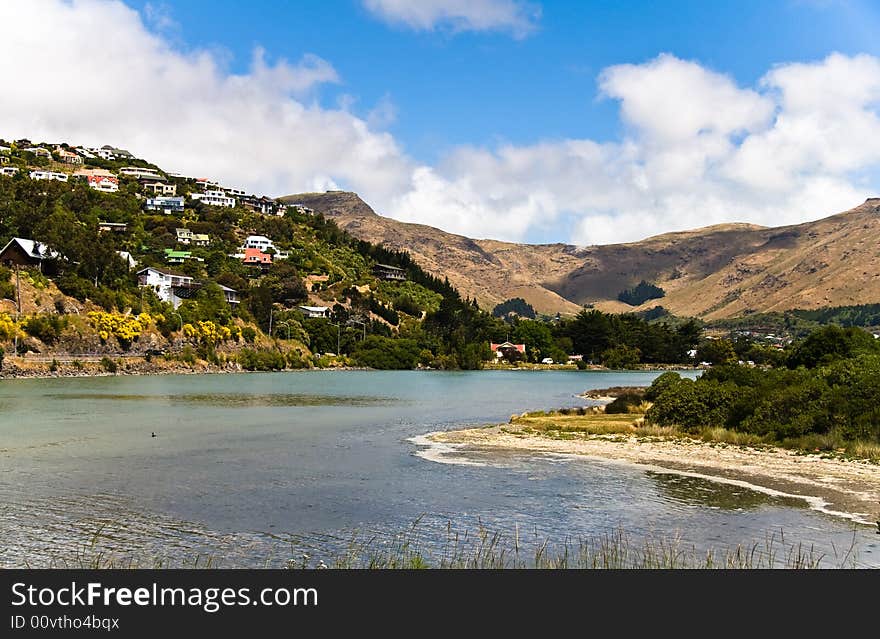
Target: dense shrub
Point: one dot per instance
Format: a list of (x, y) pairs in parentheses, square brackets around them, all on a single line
[(46, 328), (624, 402), (386, 353), (640, 293), (261, 360)]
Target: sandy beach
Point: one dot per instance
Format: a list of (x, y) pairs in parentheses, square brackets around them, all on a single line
[(839, 487)]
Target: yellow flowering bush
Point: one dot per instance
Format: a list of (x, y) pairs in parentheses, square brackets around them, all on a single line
[(207, 333), (125, 328), (8, 328)]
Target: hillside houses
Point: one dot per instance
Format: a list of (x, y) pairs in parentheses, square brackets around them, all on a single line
[(9, 171)]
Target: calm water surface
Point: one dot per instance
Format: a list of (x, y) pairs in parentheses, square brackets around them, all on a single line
[(257, 468)]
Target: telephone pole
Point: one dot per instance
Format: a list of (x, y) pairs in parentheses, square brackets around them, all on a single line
[(17, 308)]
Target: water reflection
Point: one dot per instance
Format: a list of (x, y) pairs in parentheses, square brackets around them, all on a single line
[(696, 491), (236, 400)]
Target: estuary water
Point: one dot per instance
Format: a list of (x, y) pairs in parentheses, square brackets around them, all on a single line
[(258, 469)]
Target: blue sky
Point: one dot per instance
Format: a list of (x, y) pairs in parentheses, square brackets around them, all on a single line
[(450, 89), (580, 122)]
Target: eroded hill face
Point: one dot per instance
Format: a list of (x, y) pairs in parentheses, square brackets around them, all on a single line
[(715, 272)]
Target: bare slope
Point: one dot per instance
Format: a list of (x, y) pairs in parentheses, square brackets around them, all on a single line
[(714, 272)]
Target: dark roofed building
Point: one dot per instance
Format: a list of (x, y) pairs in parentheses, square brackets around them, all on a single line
[(26, 252), (389, 273)]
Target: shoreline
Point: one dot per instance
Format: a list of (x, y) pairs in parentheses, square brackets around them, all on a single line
[(848, 489)]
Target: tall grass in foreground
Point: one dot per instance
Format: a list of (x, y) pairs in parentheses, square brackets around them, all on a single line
[(485, 549)]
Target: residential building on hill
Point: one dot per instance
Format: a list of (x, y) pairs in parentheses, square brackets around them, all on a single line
[(214, 198), (8, 171), (48, 175), (186, 236), (39, 152), (25, 252), (169, 286), (167, 205), (389, 273), (260, 242), (255, 257), (141, 173), (315, 311), (159, 187), (68, 157), (103, 183)]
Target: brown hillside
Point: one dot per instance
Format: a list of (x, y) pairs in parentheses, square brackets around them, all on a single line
[(714, 272)]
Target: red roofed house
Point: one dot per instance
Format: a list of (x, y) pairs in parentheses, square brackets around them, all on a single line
[(105, 183), (509, 351), (255, 257)]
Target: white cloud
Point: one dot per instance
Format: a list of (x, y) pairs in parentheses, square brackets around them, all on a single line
[(698, 149), (515, 16)]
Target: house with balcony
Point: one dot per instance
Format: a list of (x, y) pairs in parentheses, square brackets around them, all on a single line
[(169, 286), (186, 236), (159, 187), (314, 311), (167, 205), (389, 273), (139, 173), (48, 175), (112, 227), (214, 198), (103, 183), (68, 157)]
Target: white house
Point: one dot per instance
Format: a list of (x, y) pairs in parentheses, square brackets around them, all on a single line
[(214, 198), (315, 311), (169, 286), (48, 175), (230, 294), (9, 170), (103, 153), (139, 173), (260, 242), (128, 259), (103, 183)]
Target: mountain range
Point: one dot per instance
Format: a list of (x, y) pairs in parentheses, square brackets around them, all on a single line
[(716, 272)]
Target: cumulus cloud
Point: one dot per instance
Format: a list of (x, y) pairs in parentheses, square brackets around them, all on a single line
[(697, 148), (183, 110), (514, 16)]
